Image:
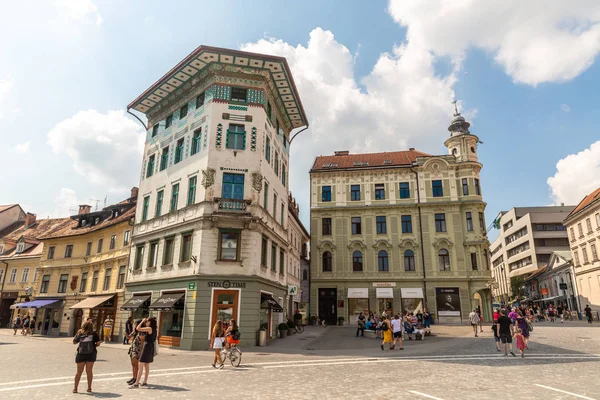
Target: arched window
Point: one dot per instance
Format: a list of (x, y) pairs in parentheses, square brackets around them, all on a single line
[(409, 260), (382, 261), (327, 262), (357, 262), (444, 258)]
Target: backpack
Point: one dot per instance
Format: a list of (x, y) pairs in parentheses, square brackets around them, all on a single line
[(384, 327), (86, 344), (236, 335)]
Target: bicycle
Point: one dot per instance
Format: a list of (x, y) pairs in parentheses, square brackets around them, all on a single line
[(234, 354), (298, 326)]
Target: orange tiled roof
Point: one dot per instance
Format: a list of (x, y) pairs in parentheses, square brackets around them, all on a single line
[(6, 207), (367, 160), (30, 235), (587, 200)]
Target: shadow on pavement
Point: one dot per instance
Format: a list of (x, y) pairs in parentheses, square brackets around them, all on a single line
[(166, 388), (102, 395)]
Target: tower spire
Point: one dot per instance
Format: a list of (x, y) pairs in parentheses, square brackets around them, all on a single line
[(456, 113), (458, 125)]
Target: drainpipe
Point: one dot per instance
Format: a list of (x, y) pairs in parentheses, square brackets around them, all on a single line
[(421, 238), (2, 289)]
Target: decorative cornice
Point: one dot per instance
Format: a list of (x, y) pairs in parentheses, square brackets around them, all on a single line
[(384, 242)]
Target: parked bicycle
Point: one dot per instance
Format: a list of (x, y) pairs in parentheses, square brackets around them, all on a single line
[(298, 326), (233, 354)]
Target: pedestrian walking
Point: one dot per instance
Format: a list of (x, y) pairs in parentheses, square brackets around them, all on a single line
[(426, 318), (128, 330), (397, 332), (216, 343), (480, 319), (505, 329), (588, 313), (32, 325), (387, 333), (551, 313), (559, 311), (135, 350), (496, 315), (474, 319), (521, 345), (107, 328), (26, 322), (496, 334), (361, 325), (17, 324), (523, 325), (147, 326), (87, 340)]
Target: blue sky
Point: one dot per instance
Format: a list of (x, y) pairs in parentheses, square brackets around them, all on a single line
[(373, 76)]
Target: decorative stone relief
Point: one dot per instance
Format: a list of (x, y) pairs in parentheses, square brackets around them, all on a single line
[(257, 180), (208, 177)]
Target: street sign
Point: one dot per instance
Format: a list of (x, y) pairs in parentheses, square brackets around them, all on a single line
[(563, 286), (191, 285)]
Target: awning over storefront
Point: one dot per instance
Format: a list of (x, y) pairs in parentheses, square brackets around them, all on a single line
[(358, 293), (135, 302), (411, 293), (271, 303), (92, 302), (548, 298), (35, 304), (384, 293), (166, 301)]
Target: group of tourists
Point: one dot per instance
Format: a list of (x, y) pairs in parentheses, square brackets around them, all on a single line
[(25, 323), (392, 330), (512, 323), (223, 336)]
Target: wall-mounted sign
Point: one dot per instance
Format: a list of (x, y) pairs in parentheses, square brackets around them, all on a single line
[(544, 291), (448, 301), (227, 284), (563, 286), (384, 284), (358, 293), (411, 293), (191, 285), (292, 290)]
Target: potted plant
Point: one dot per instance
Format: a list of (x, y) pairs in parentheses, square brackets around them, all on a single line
[(283, 329), (291, 327), (341, 321), (313, 319)]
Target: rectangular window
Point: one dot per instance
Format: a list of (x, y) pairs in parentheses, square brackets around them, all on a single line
[(62, 283), (69, 251), (25, 275), (572, 233), (186, 247), (584, 254), (13, 276), (88, 249), (477, 187), (326, 226), (45, 284), (174, 197), (268, 150), (239, 94), (276, 164), (474, 261), (229, 244), (469, 221), (51, 250), (379, 191), (326, 193), (196, 141), (404, 190), (139, 257), (282, 214), (465, 186), (437, 188), (169, 250), (354, 192), (283, 180), (150, 168), (236, 137), (145, 208), (178, 151), (159, 202), (263, 251), (155, 130), (164, 158), (588, 224), (192, 190), (100, 242), (266, 197), (274, 205), (113, 242), (121, 277), (273, 257), (126, 238), (183, 111), (594, 252), (482, 222), (169, 121), (107, 276), (83, 284), (281, 262), (380, 225), (95, 281), (356, 226), (580, 229), (406, 224), (36, 272), (153, 255), (233, 186), (200, 99), (598, 221), (440, 222)]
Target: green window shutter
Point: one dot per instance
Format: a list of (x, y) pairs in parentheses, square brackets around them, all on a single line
[(227, 140), (244, 141)]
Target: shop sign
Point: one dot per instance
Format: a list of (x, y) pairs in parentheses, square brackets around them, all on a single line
[(10, 295), (448, 302), (544, 291), (384, 293), (292, 290), (411, 293), (384, 284), (227, 284), (563, 286), (191, 285), (358, 293)]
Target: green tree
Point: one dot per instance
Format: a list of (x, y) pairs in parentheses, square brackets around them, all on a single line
[(516, 286)]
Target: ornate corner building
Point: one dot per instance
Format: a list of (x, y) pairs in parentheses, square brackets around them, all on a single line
[(400, 231)]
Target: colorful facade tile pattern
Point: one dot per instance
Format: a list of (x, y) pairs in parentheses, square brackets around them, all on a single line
[(237, 108), (256, 96), (219, 135), (205, 136), (222, 92), (253, 139)]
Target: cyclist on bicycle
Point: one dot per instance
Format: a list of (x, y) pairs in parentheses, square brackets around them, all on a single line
[(232, 334)]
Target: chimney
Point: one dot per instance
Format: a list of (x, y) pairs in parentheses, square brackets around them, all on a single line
[(84, 209), (562, 204), (29, 219), (412, 148), (134, 192), (341, 153)]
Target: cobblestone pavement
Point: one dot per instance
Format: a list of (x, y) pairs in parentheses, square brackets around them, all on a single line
[(563, 362)]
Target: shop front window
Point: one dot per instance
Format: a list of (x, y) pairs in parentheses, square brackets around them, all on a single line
[(171, 322), (225, 305)]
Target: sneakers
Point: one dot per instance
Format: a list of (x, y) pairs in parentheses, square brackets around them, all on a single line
[(476, 335), (522, 355), (381, 347), (131, 381), (401, 348), (498, 349), (512, 354)]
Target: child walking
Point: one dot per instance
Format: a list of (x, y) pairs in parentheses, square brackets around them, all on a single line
[(496, 335), (521, 342)]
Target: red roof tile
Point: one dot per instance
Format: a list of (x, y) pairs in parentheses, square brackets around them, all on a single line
[(6, 207), (587, 200), (367, 160)]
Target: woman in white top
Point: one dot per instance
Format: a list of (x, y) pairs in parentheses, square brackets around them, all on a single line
[(216, 341), (397, 332)]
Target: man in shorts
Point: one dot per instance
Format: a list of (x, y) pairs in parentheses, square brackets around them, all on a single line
[(107, 328), (474, 320), (397, 332), (505, 331)]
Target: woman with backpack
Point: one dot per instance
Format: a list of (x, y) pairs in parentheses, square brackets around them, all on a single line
[(87, 340), (387, 333), (149, 327), (232, 334)]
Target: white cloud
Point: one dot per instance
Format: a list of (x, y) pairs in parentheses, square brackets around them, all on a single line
[(534, 41), (576, 176), (106, 148), (565, 108), (82, 11), (66, 203), (22, 148)]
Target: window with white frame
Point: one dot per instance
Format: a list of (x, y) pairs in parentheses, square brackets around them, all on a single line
[(13, 276), (25, 275)]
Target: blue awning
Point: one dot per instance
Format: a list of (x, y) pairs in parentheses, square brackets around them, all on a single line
[(37, 303)]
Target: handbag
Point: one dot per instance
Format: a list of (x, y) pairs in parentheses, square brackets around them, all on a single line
[(529, 326), (155, 348)]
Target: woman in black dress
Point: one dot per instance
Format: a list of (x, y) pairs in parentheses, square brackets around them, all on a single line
[(148, 326), (88, 340)]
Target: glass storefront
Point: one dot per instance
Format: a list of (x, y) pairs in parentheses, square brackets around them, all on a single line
[(171, 322), (355, 307)]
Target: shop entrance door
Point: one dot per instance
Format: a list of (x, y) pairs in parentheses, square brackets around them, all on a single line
[(327, 305), (225, 306)]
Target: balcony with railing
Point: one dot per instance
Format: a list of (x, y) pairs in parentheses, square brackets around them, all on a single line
[(232, 205)]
